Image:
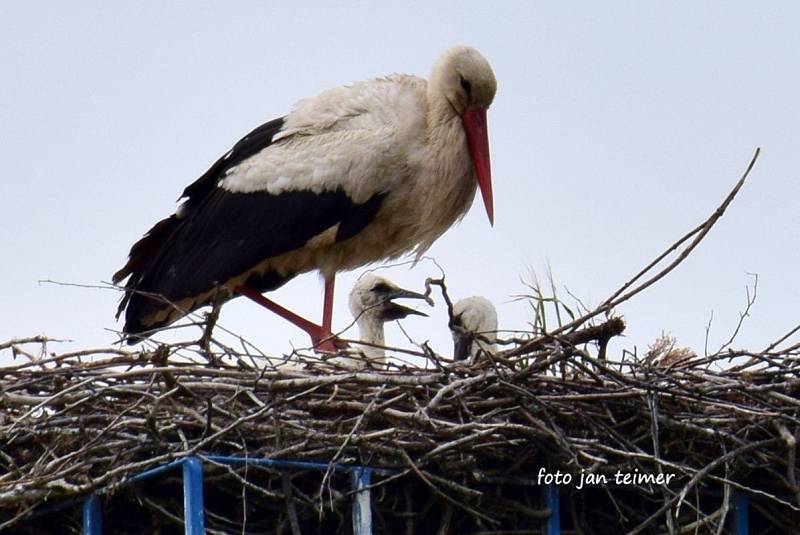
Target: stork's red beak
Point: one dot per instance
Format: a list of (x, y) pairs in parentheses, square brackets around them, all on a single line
[(474, 121)]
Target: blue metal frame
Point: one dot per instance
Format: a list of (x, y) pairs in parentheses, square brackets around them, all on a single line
[(361, 476), (193, 507), (194, 514), (552, 499), (92, 516), (362, 511), (741, 514), (361, 479)]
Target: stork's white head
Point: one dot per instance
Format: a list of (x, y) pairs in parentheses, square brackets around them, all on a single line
[(475, 327), (371, 305), (464, 79)]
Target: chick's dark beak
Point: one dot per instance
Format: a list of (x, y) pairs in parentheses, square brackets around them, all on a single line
[(394, 311), (461, 346)]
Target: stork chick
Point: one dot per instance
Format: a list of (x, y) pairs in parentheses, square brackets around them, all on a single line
[(474, 328), (372, 306)]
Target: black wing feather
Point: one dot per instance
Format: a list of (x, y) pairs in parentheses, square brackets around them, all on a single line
[(251, 144), (220, 235), (148, 247), (229, 235), (358, 216)]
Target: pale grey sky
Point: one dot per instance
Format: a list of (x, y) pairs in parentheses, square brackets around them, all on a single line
[(616, 128)]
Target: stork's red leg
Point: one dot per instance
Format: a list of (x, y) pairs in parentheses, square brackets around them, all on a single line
[(327, 307), (327, 315), (318, 334)]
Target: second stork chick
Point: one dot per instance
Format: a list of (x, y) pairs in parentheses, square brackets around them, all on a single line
[(474, 328)]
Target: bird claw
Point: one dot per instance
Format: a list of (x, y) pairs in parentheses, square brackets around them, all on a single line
[(327, 343)]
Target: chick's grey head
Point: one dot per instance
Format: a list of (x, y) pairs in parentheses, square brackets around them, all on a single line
[(371, 299)]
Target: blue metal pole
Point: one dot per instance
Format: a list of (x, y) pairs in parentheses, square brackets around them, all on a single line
[(553, 502), (92, 516), (193, 511), (147, 474), (741, 513), (280, 463), (362, 507)]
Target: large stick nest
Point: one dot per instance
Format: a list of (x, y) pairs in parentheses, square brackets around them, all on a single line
[(470, 439)]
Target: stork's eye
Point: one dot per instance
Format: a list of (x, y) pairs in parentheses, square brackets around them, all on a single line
[(466, 85), (381, 288)]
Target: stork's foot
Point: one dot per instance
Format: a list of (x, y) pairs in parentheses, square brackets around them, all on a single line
[(326, 341)]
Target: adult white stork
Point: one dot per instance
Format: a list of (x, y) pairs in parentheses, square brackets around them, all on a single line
[(372, 305), (474, 327), (358, 174)]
